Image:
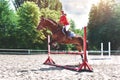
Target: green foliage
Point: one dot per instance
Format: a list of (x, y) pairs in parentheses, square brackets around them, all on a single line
[(28, 20), (29, 13), (104, 25), (7, 25), (76, 31), (72, 25), (50, 4), (79, 32), (46, 12)]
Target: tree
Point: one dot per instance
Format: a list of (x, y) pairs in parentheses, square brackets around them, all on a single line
[(28, 20), (115, 32), (72, 25), (7, 25), (102, 25), (50, 4), (53, 14), (76, 31)]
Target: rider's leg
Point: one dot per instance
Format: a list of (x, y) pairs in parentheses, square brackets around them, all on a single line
[(68, 32), (67, 27), (64, 30)]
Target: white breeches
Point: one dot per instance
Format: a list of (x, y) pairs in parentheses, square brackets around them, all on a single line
[(66, 27)]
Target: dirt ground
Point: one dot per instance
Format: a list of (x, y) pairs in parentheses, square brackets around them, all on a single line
[(31, 67)]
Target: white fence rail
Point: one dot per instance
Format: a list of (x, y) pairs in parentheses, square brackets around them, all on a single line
[(31, 51), (21, 51)]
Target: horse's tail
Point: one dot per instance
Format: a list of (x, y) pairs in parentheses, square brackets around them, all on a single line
[(81, 44)]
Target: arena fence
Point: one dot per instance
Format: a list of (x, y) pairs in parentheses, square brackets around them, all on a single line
[(33, 51), (22, 51)]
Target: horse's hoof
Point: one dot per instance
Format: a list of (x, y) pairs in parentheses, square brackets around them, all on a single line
[(57, 47)]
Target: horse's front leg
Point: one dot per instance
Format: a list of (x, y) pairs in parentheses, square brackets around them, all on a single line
[(54, 44)]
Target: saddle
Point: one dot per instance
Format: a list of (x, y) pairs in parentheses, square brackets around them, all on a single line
[(67, 33)]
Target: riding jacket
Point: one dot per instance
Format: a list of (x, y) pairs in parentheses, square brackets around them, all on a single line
[(63, 20)]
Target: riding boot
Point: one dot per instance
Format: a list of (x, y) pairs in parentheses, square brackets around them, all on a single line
[(65, 32)]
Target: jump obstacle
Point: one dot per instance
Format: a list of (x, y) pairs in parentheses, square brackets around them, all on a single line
[(81, 67), (109, 49)]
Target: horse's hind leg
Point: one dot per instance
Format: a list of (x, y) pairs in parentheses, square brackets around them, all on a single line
[(79, 48)]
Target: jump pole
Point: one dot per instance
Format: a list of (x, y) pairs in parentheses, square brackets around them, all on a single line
[(81, 67), (85, 65), (49, 59)]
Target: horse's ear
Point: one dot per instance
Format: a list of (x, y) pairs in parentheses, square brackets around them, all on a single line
[(42, 17)]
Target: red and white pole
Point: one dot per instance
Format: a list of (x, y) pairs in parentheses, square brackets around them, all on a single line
[(85, 56), (85, 64), (48, 45), (49, 59)]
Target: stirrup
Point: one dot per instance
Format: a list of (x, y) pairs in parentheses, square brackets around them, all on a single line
[(63, 31)]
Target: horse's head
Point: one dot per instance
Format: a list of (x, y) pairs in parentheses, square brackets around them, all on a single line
[(42, 24), (47, 23)]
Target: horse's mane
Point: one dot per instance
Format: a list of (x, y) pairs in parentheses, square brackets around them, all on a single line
[(53, 20)]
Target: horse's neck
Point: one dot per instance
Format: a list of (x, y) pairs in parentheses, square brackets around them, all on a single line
[(52, 27)]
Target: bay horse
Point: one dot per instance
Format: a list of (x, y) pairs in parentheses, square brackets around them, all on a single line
[(58, 36)]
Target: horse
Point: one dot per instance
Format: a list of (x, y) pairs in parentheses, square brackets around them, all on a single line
[(57, 34)]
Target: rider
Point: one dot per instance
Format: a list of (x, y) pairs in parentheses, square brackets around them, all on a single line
[(64, 22)]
